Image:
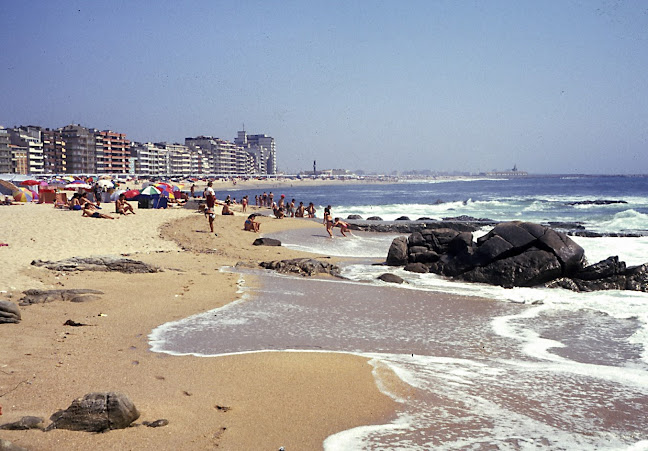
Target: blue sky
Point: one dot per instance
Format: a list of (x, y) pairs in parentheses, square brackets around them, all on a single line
[(552, 86)]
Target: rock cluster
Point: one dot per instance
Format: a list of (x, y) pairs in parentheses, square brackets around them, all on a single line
[(103, 263), (302, 266), (513, 254), (9, 312)]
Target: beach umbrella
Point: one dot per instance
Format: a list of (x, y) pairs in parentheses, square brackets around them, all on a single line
[(150, 191), (24, 195), (68, 178), (29, 182), (80, 185), (114, 196), (131, 194), (105, 183)]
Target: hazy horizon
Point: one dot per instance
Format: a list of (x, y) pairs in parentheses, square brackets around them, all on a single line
[(552, 87)]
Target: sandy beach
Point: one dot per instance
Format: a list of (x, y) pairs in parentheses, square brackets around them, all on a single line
[(249, 401)]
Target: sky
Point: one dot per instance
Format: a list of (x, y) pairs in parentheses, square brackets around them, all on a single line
[(552, 86)]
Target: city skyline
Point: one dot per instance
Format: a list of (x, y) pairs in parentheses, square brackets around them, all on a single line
[(554, 87)]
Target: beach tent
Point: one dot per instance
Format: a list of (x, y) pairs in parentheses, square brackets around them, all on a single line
[(24, 195)]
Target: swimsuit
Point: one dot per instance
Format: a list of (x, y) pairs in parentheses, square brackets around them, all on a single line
[(96, 215)]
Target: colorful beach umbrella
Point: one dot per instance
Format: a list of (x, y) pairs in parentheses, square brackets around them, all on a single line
[(24, 195), (131, 194), (150, 191), (30, 182)]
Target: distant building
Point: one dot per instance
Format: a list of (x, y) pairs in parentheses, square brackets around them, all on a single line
[(81, 149), (223, 157), (112, 151), (54, 152), (27, 140), (262, 149), (5, 152)]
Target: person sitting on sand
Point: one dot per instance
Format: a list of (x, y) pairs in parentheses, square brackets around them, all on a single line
[(226, 209), (279, 212), (90, 211), (83, 199), (344, 226), (122, 206), (74, 203), (300, 211), (251, 225)]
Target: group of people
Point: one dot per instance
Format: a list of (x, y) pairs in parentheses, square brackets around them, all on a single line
[(90, 209), (330, 223)]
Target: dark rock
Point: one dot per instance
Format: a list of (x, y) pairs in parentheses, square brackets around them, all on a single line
[(617, 282), (266, 242), (397, 255), (374, 218), (512, 232), (417, 267), (467, 218), (403, 218), (105, 263), (354, 217), (9, 313), (6, 445), (302, 266), (461, 244), (36, 296), (637, 278), (570, 254), (157, 423), (416, 239), (533, 267), (25, 423), (425, 218), (418, 249), (605, 268), (491, 250), (425, 257), (597, 202), (96, 412), (390, 278), (73, 323)]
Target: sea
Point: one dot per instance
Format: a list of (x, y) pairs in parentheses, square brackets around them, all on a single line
[(477, 366)]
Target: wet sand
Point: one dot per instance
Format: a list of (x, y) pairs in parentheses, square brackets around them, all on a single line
[(266, 400)]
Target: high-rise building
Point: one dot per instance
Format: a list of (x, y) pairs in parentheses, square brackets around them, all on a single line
[(54, 152), (81, 149), (112, 150), (224, 157), (5, 152), (262, 149)]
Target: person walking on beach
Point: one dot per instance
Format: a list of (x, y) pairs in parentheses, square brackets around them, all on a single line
[(210, 196), (311, 210), (209, 213), (270, 198), (328, 223), (193, 191), (244, 203)]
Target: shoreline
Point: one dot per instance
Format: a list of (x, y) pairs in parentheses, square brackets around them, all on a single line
[(273, 399)]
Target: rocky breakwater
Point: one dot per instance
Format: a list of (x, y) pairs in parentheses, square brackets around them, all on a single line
[(513, 254)]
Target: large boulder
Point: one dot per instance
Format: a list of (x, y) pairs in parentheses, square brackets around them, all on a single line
[(533, 267), (96, 412), (266, 242), (9, 312), (397, 255), (390, 278)]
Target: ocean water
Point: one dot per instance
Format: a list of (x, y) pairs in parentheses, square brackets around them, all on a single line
[(490, 368)]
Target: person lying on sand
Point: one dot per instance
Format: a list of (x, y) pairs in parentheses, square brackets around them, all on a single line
[(122, 206), (90, 211), (251, 225)]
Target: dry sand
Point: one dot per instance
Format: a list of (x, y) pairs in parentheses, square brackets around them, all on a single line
[(250, 401)]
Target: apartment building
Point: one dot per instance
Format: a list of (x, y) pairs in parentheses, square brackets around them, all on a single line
[(27, 140), (81, 149), (54, 152), (5, 152), (112, 151), (262, 149)]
